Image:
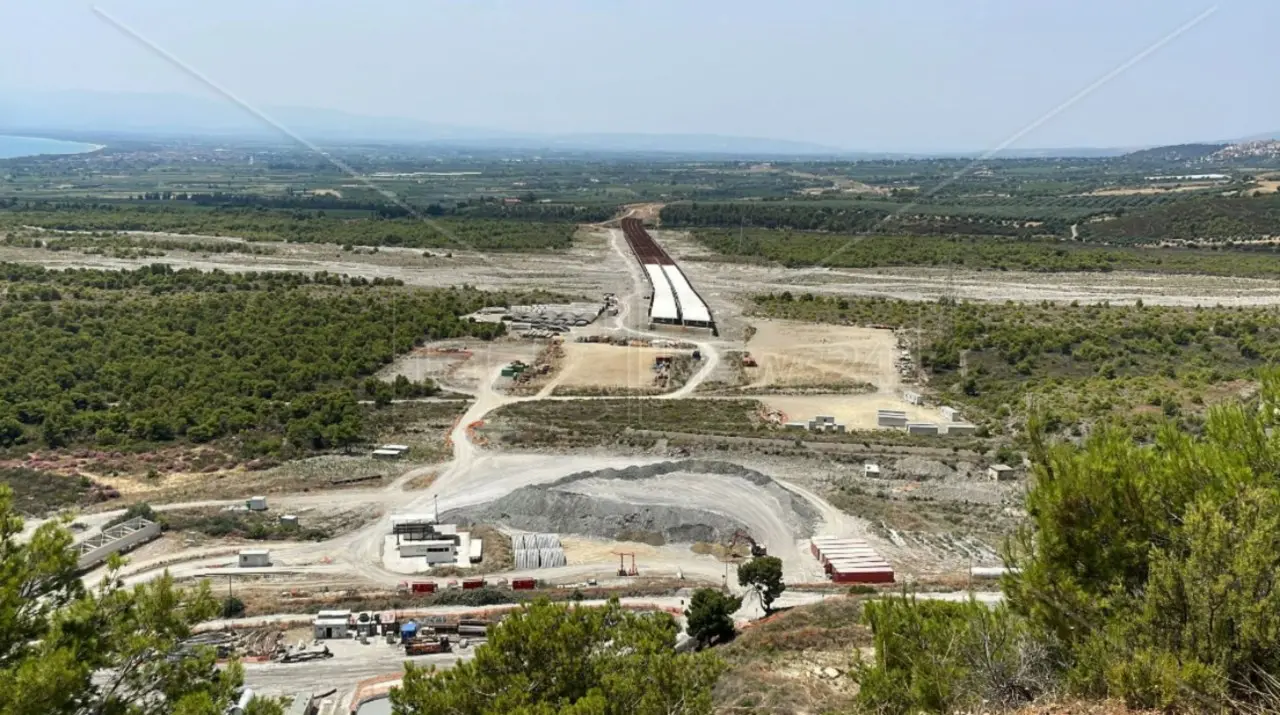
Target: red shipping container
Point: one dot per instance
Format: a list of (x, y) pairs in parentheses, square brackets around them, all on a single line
[(523, 584), (863, 576), (423, 587), (469, 583)]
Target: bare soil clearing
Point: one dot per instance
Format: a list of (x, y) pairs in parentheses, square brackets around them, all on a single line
[(795, 354), (461, 364), (853, 411), (738, 281), (601, 365)]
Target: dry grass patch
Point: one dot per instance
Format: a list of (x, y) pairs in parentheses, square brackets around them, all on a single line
[(796, 354), (796, 661)]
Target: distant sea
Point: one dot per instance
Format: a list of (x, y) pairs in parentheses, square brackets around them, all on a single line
[(30, 146)]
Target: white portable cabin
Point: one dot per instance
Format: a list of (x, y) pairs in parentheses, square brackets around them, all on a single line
[(926, 428), (871, 470), (436, 551), (949, 414), (961, 428), (254, 558), (913, 398), (257, 503)]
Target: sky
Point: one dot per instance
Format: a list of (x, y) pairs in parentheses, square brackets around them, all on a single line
[(874, 75)]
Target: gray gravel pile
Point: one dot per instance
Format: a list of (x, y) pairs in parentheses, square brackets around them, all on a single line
[(683, 501)]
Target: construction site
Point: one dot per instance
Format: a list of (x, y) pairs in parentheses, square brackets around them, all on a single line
[(681, 513)]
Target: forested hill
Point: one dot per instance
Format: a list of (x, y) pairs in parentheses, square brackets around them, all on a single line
[(114, 358), (1175, 153)]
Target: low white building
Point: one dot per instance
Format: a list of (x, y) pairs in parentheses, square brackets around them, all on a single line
[(254, 558), (332, 624), (949, 414), (871, 470), (913, 398), (257, 504)]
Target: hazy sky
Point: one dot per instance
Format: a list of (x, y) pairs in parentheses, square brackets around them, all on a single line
[(859, 74)]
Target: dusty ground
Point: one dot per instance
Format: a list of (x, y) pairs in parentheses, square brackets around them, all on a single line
[(304, 475), (592, 268), (725, 286), (601, 365), (795, 354), (853, 411), (462, 364), (589, 269), (1266, 186)]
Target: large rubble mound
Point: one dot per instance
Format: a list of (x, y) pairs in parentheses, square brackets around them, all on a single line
[(684, 501)]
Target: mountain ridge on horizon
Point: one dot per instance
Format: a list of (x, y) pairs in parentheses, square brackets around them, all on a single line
[(153, 114)]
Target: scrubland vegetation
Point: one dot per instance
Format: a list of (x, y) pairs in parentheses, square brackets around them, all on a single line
[(123, 358), (1144, 573), (798, 249), (1076, 363)]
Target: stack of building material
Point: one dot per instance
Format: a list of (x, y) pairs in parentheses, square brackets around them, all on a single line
[(850, 560), (891, 418), (551, 558), (532, 551), (526, 559)]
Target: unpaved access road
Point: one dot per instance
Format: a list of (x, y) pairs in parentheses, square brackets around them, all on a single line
[(474, 476), (471, 477)]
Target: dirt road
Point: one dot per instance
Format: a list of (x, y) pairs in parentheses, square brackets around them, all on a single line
[(474, 476)]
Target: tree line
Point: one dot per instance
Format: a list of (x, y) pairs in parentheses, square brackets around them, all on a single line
[(481, 234), (799, 248), (1215, 219), (855, 217)]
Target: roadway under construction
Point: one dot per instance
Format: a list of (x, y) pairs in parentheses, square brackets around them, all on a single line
[(674, 301)]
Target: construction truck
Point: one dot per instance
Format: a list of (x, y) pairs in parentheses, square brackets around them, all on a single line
[(740, 536), (426, 646), (304, 654)]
